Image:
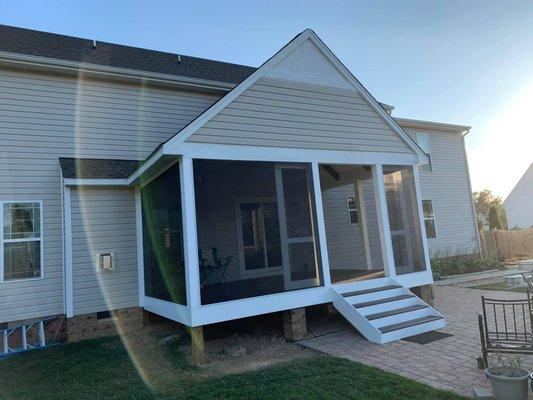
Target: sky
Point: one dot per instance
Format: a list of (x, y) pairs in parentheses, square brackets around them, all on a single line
[(463, 62)]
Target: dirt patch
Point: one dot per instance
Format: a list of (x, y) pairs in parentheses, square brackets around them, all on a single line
[(244, 352), (249, 343)]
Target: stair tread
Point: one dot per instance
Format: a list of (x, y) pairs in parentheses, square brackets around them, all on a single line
[(407, 324), (372, 290), (396, 311), (384, 300)]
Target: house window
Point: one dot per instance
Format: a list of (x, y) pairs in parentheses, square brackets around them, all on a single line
[(422, 139), (21, 240), (429, 219), (353, 215)]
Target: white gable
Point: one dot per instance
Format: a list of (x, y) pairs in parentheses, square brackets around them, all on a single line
[(323, 84), (306, 63)]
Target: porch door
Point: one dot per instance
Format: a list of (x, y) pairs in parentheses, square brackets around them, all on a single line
[(297, 229), (396, 204)]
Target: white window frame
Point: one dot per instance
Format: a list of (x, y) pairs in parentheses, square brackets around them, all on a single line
[(3, 241), (432, 218), (350, 209), (425, 167)]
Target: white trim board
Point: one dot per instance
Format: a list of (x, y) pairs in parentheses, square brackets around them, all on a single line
[(95, 182), (69, 291), (226, 311), (283, 154)]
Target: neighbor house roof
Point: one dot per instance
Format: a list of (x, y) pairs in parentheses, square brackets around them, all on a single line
[(94, 168), (51, 45)]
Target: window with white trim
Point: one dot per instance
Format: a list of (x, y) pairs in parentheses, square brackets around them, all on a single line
[(422, 139), (353, 214), (21, 239), (429, 219)]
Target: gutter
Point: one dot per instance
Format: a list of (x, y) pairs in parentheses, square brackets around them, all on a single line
[(75, 68), (438, 126)]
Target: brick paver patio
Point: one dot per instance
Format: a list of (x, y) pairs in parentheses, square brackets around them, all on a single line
[(448, 363)]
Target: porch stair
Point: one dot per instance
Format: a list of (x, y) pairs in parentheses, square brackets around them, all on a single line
[(383, 311)]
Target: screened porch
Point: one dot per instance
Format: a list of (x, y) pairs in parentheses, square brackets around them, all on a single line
[(264, 228)]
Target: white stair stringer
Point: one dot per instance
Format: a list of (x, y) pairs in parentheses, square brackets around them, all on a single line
[(383, 311)]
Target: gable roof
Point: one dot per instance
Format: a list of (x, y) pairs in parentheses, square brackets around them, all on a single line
[(528, 176), (307, 35), (50, 45), (95, 168)]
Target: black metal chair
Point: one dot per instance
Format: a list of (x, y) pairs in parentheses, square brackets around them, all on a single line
[(215, 272), (505, 326)]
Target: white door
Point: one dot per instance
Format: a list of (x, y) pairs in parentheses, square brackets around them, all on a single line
[(297, 227), (401, 240)]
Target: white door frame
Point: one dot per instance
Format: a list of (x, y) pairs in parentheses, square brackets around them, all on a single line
[(285, 240)]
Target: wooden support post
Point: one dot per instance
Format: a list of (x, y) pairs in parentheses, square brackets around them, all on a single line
[(197, 344), (425, 292)]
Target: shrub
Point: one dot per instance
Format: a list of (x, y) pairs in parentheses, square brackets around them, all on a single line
[(462, 264)]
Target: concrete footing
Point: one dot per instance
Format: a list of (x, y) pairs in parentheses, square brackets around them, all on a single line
[(295, 324)]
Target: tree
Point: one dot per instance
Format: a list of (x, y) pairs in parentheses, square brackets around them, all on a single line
[(483, 202), (494, 219)]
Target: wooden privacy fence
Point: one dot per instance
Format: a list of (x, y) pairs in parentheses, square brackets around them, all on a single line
[(504, 244)]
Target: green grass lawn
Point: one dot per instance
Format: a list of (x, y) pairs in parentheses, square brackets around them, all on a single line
[(102, 368), (499, 286)]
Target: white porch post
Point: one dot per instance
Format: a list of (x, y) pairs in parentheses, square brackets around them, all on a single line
[(361, 210), (421, 218), (321, 225), (383, 220), (190, 238), (69, 292), (140, 251)]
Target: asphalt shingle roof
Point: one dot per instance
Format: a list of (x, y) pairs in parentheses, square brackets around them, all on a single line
[(95, 168), (51, 45)]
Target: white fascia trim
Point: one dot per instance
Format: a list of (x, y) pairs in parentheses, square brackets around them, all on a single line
[(104, 71), (168, 309), (422, 157), (95, 182), (173, 144), (266, 67), (243, 308), (437, 126), (237, 91), (147, 165), (283, 154)]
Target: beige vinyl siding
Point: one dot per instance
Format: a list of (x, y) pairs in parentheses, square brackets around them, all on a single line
[(103, 220), (345, 244), (300, 115), (43, 117), (447, 186)]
